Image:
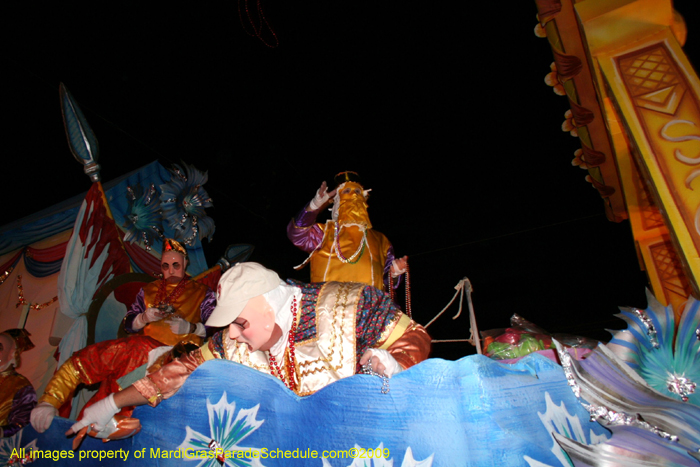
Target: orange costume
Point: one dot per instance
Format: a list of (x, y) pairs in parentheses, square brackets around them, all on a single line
[(103, 363)]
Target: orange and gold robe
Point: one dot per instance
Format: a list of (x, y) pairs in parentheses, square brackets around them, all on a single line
[(195, 304), (372, 267)]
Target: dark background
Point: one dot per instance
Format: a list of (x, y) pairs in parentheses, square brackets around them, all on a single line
[(441, 108)]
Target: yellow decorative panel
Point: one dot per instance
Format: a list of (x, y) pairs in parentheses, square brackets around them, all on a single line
[(655, 90)]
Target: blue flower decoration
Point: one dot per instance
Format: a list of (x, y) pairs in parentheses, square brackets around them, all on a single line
[(143, 219), (669, 361), (227, 429), (183, 202)]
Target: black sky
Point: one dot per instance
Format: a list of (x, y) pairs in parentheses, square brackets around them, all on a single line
[(441, 108)]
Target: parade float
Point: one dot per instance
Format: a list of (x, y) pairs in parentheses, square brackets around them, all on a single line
[(630, 402)]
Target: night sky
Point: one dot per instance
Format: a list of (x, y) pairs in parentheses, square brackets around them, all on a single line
[(442, 109)]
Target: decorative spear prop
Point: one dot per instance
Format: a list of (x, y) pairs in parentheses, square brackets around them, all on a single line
[(81, 139), (95, 252)]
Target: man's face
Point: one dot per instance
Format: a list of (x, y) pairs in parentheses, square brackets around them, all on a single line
[(349, 189), (7, 351), (255, 325), (173, 266), (352, 206)]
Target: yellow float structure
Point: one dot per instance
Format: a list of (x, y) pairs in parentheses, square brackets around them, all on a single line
[(634, 106)]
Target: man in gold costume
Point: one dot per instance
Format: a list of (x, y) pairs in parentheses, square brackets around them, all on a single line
[(17, 396), (307, 335), (346, 248), (166, 312), (172, 309)]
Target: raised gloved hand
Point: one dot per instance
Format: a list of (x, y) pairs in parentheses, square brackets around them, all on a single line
[(382, 362), (42, 415), (148, 316), (98, 415), (321, 198)]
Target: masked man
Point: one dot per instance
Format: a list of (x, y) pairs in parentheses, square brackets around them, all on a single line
[(17, 396), (346, 248), (307, 335), (169, 311), (172, 309)]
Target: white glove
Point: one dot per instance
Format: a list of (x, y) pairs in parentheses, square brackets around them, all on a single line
[(320, 199), (179, 325), (42, 415), (391, 366), (201, 331), (97, 415), (148, 316)]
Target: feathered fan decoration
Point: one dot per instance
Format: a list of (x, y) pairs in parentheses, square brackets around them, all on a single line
[(144, 220), (183, 202)]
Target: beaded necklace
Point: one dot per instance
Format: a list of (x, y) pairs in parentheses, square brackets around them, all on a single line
[(22, 301), (163, 298), (358, 252), (290, 358)]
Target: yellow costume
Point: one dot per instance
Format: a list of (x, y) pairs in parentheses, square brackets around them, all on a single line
[(326, 266), (346, 249), (194, 303)]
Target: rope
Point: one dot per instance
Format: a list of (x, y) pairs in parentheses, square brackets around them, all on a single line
[(459, 287), (463, 287)]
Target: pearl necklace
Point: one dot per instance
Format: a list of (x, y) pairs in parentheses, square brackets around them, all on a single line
[(290, 360), (367, 370), (358, 252)]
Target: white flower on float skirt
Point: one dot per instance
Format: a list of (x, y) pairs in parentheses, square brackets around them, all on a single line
[(557, 419), (227, 429), (13, 443), (363, 459)]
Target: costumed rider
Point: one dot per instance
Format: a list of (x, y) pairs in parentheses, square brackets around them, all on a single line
[(176, 308), (307, 335), (172, 309), (17, 396), (103, 363), (346, 248)]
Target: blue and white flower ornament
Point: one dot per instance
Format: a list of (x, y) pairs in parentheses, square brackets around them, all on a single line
[(668, 360), (183, 203), (144, 220)]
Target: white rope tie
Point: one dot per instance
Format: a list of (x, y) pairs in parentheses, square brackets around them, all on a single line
[(463, 287)]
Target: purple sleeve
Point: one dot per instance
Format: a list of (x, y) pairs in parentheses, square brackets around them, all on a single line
[(387, 269), (206, 308), (303, 231), (22, 404), (136, 308)]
